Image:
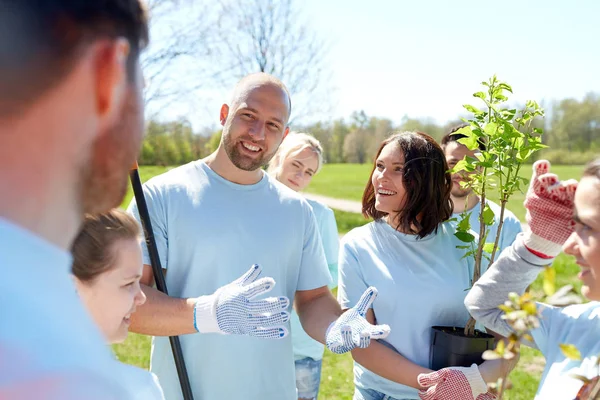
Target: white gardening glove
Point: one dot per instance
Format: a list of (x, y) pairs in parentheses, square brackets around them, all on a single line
[(454, 383), (233, 310), (352, 330)]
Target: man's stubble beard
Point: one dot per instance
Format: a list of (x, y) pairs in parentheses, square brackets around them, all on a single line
[(104, 179), (240, 161)]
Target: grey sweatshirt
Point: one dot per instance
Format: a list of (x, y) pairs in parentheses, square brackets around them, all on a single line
[(513, 271)]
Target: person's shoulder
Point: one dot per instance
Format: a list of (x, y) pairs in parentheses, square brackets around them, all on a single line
[(175, 177), (319, 208), (446, 230), (590, 310), (363, 233), (286, 196)]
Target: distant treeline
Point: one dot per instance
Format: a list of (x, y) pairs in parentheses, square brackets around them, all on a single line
[(572, 130)]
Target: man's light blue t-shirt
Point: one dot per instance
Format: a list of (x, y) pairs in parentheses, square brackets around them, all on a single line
[(578, 325), (511, 227), (421, 283), (305, 346), (209, 231), (49, 345)]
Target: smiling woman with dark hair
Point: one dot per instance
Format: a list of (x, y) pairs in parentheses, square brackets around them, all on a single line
[(409, 253)]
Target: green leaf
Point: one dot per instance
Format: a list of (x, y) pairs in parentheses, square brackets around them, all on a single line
[(549, 281), (472, 109), (464, 224), (505, 86), (491, 128), (481, 95), (488, 247), (470, 141), (464, 236), (488, 215), (570, 351), (462, 165)]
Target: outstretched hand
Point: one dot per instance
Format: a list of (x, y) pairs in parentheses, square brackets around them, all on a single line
[(352, 330), (234, 309)]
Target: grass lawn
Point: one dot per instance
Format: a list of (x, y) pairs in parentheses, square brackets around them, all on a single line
[(347, 181), (337, 377)]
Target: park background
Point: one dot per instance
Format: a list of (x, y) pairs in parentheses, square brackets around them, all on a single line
[(357, 72)]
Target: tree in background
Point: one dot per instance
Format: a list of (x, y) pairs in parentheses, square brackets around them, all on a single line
[(272, 36), (575, 124), (181, 34)]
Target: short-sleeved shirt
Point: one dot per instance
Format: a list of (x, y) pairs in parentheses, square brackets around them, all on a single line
[(578, 325), (49, 345), (421, 283), (305, 346), (511, 227), (209, 231)]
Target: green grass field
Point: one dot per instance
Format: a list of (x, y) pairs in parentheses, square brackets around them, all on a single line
[(346, 181)]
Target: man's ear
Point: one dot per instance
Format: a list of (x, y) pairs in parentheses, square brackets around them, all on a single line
[(224, 114), (285, 133), (111, 77)]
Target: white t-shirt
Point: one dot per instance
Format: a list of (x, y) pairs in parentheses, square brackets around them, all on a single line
[(50, 347)]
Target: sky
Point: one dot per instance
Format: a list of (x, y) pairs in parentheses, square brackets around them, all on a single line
[(425, 59)]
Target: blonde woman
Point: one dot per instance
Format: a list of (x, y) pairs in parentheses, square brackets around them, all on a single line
[(299, 158)]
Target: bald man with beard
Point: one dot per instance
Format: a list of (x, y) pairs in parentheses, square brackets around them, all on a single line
[(212, 219)]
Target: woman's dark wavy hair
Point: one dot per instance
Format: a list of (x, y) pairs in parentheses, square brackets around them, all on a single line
[(427, 185)]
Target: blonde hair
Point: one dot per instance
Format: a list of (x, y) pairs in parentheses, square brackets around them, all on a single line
[(293, 144)]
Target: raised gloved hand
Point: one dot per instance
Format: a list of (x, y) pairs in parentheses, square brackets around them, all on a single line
[(549, 204), (352, 330), (232, 309), (454, 383)]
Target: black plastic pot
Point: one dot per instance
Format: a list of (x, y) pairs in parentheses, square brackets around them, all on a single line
[(451, 348)]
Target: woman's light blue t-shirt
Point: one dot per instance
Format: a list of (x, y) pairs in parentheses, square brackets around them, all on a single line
[(421, 283), (304, 345), (578, 325)]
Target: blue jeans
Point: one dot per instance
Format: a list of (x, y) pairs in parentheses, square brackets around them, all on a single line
[(308, 377), (370, 394)]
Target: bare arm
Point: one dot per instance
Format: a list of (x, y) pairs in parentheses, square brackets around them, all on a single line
[(317, 309), (387, 363), (162, 315)]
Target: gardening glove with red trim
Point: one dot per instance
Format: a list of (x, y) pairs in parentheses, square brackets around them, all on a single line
[(454, 383), (352, 330), (549, 204)]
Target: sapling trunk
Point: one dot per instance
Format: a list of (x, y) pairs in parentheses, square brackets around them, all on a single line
[(499, 231), (470, 326)]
